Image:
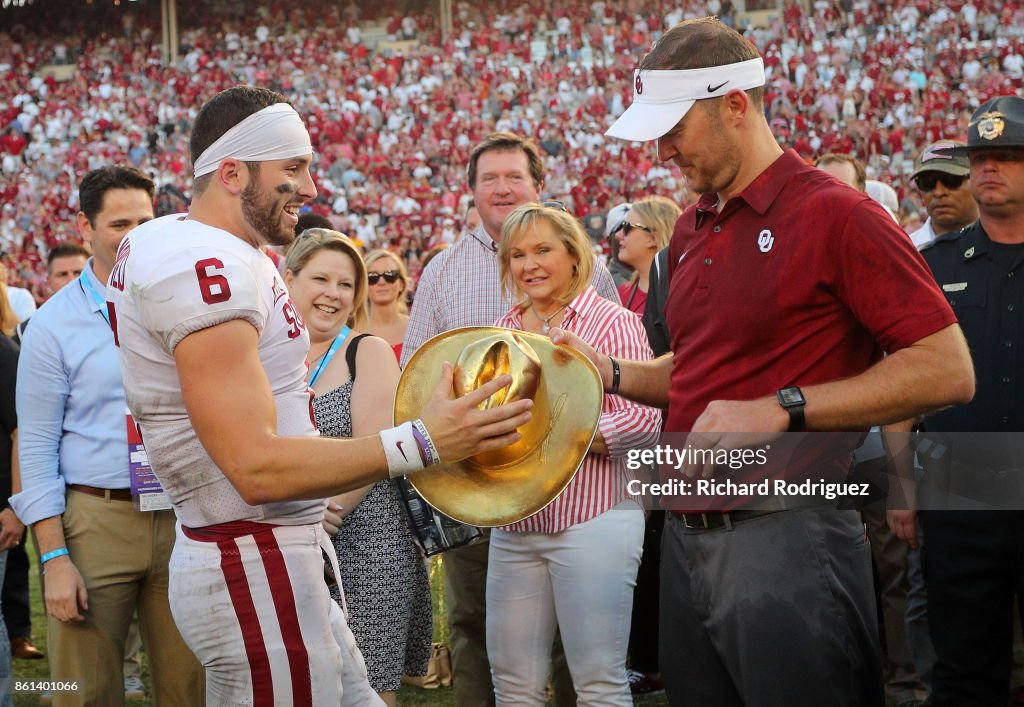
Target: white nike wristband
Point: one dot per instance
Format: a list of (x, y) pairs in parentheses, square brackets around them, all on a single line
[(401, 450)]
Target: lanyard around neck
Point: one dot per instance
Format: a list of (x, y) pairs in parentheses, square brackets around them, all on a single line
[(329, 354), (90, 290), (633, 293)]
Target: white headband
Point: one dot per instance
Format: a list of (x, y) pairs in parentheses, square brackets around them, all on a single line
[(274, 133), (662, 97)]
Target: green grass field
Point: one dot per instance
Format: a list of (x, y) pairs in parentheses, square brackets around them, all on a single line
[(408, 697)]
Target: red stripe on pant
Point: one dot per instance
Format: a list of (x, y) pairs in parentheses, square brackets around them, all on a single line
[(288, 618), (249, 622)]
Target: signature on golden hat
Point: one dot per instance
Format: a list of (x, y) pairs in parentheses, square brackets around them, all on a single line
[(506, 485)]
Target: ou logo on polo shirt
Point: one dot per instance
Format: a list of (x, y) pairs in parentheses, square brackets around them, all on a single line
[(765, 240)]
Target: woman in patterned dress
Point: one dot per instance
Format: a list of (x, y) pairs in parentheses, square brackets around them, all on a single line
[(383, 574)]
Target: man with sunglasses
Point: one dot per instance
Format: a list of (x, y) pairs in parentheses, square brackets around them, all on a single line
[(973, 557), (944, 183)]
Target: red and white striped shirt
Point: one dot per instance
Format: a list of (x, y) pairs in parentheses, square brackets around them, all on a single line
[(600, 483)]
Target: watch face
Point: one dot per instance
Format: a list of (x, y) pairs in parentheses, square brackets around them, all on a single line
[(791, 396)]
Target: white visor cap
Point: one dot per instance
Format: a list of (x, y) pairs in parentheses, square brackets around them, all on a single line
[(662, 97)]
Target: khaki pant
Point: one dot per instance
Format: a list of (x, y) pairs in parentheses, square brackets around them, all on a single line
[(123, 556), (465, 574)]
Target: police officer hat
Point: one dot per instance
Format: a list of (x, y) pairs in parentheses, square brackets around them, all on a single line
[(998, 124)]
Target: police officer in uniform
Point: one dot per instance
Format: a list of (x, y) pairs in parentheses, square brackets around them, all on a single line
[(974, 559)]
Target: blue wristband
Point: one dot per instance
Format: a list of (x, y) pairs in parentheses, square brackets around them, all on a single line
[(53, 554)]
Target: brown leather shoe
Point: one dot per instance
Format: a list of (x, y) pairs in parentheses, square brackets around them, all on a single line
[(22, 648)]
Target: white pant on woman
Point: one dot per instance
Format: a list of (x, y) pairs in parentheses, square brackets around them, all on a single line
[(580, 581)]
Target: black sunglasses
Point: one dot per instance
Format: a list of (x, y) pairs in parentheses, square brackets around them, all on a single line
[(928, 181), (390, 277), (627, 227)]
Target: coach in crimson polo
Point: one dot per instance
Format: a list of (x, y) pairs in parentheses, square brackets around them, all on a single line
[(786, 288)]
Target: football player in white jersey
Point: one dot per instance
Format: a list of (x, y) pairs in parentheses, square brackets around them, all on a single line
[(213, 355)]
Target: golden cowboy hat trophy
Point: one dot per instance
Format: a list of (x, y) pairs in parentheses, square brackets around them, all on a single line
[(506, 485)]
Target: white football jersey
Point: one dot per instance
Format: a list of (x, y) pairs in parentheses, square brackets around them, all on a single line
[(174, 276)]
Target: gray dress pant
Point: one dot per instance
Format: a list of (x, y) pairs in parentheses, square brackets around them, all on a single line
[(776, 610)]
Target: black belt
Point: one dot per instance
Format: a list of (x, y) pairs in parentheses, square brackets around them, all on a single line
[(716, 519)]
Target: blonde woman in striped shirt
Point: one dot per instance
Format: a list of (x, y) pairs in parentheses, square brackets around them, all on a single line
[(573, 565)]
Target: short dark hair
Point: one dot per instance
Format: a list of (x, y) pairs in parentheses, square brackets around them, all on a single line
[(98, 182), (65, 249), (312, 220), (223, 112), (844, 158), (700, 43), (505, 141)]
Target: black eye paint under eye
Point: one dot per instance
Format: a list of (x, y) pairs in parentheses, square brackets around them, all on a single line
[(286, 189)]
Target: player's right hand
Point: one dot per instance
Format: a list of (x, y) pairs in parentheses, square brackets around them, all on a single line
[(65, 595), (460, 429)]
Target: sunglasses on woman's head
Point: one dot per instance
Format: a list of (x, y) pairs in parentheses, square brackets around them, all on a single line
[(627, 227), (928, 181), (390, 277)]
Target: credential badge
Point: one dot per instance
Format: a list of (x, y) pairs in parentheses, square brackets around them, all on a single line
[(765, 240), (991, 125)]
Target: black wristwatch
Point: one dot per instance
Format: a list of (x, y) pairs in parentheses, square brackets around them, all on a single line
[(792, 400)]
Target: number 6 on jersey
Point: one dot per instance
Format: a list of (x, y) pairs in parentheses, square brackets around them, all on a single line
[(214, 288)]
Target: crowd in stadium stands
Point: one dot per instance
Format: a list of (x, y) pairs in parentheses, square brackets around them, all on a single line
[(392, 131)]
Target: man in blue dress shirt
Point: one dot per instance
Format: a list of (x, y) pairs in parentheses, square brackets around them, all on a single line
[(101, 557)]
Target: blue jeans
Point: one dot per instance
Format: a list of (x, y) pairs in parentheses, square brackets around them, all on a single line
[(5, 647)]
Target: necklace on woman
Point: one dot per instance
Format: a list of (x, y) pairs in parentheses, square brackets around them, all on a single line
[(547, 320)]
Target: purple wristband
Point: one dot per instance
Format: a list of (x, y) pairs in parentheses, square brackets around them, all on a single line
[(424, 449)]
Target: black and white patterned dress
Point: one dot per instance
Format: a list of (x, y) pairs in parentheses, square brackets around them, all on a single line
[(382, 570)]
